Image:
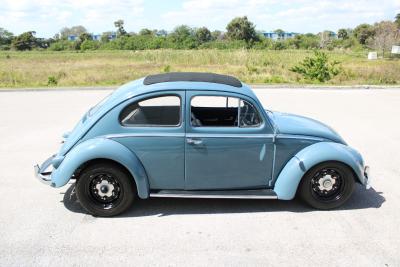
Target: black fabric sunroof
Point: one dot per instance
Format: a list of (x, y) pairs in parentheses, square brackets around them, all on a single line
[(192, 77)]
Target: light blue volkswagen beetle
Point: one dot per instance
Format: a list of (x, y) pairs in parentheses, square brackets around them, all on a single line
[(199, 135)]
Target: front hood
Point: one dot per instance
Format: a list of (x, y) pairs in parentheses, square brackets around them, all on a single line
[(299, 125)]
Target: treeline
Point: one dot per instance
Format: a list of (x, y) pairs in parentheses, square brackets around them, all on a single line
[(240, 33)]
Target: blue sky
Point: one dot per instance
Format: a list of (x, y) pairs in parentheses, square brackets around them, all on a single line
[(47, 17)]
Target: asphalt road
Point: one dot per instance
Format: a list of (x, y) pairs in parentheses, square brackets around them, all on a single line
[(43, 226)]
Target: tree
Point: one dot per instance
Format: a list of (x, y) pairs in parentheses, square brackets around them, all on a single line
[(280, 33), (119, 24), (240, 28), (363, 32), (217, 35), (25, 41), (147, 32), (162, 33), (318, 67), (5, 37), (203, 35), (397, 20), (183, 37), (386, 35), (74, 30), (343, 34), (105, 37), (305, 41), (326, 38)]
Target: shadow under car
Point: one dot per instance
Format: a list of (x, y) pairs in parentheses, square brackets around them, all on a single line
[(360, 199)]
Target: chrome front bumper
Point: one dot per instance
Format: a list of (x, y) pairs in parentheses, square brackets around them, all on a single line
[(40, 171), (367, 177)]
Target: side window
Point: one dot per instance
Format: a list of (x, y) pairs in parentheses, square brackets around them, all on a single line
[(249, 116), (155, 111), (221, 111)]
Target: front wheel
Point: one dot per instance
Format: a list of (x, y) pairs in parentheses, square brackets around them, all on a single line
[(105, 189), (327, 185)]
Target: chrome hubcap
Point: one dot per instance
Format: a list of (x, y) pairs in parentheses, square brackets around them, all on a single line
[(105, 188), (326, 182)]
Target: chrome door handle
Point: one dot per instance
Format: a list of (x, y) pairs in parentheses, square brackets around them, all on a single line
[(192, 141)]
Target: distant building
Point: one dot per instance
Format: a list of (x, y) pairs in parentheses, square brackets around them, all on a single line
[(72, 38), (282, 36), (162, 33), (396, 49), (95, 37), (112, 36)]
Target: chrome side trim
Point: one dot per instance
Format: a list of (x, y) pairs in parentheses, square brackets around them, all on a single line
[(206, 135), (212, 196), (297, 136), (152, 134), (211, 135), (189, 135)]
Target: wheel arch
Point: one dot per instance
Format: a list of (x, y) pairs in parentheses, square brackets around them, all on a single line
[(101, 149), (289, 178)]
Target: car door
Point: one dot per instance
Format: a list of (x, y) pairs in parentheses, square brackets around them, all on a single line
[(152, 126), (222, 151)]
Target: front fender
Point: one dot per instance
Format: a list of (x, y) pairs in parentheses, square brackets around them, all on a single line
[(105, 149), (290, 176)]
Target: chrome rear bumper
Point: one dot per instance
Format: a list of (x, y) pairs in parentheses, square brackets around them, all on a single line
[(40, 171), (367, 177)]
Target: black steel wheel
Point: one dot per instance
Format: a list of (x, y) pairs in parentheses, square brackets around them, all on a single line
[(105, 189), (327, 185)]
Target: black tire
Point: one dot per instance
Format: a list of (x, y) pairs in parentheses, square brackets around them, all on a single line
[(105, 189), (339, 185)]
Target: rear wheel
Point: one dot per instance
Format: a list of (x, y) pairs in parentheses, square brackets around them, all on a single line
[(327, 185), (105, 189)]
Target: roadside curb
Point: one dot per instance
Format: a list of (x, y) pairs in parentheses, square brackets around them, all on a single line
[(327, 87), (55, 89)]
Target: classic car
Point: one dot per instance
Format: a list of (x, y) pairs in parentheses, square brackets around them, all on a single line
[(199, 135)]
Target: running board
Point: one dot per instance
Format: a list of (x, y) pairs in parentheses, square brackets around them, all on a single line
[(238, 194)]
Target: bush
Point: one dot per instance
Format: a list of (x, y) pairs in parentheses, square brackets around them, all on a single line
[(225, 44), (279, 45), (166, 68), (317, 68), (90, 45), (51, 81), (60, 45)]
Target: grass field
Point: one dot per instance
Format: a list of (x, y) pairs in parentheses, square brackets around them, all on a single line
[(42, 68)]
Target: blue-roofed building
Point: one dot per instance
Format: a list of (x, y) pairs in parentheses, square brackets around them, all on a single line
[(112, 36), (72, 38), (95, 37), (282, 36)]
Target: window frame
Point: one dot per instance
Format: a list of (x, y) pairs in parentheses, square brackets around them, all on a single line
[(260, 125), (153, 125), (256, 110)]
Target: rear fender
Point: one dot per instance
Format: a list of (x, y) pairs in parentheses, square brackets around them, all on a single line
[(101, 148), (290, 176)]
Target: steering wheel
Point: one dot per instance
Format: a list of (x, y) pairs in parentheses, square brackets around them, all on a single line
[(247, 118)]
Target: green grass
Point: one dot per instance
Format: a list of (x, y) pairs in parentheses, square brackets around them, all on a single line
[(44, 68)]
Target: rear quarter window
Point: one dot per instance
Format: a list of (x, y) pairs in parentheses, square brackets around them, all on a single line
[(154, 111)]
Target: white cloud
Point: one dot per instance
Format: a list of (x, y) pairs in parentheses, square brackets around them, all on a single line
[(296, 15), (49, 16)]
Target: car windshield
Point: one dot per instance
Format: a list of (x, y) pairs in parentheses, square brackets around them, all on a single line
[(94, 109)]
